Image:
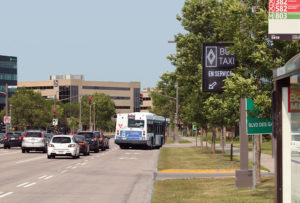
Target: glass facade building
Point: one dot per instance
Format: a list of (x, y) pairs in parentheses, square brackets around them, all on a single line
[(8, 75)]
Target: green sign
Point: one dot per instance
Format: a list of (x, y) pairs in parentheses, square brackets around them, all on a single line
[(256, 125), (194, 127)]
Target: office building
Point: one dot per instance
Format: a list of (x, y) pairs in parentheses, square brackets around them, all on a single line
[(8, 75), (69, 88), (147, 101)]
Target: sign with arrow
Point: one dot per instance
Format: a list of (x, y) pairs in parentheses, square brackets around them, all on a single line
[(217, 64)]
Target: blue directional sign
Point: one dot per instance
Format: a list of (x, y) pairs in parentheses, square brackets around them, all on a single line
[(217, 64)]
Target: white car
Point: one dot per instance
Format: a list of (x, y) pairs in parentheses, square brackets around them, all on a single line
[(63, 145)]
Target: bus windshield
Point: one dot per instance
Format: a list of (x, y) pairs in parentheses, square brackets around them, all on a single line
[(132, 123)]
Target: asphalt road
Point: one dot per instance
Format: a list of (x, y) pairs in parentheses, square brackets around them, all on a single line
[(111, 176)]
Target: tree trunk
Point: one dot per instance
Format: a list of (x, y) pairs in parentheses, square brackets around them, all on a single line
[(231, 146), (201, 139), (222, 139), (257, 158), (206, 138), (213, 140), (196, 135)]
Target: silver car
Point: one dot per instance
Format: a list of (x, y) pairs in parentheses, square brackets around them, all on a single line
[(34, 140), (63, 145)]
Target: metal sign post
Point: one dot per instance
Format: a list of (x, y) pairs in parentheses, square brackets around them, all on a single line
[(253, 163)]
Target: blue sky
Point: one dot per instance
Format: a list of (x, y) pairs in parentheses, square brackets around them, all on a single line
[(113, 40)]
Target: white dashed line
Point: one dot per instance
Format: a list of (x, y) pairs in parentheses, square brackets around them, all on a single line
[(69, 167), (86, 160), (29, 185), (27, 160), (42, 177), (63, 171), (6, 194), (22, 184), (133, 158), (74, 167), (47, 178), (1, 193), (82, 164)]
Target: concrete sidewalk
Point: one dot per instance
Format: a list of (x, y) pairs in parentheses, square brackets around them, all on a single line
[(267, 160)]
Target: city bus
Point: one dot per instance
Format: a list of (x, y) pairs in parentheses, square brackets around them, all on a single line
[(140, 129)]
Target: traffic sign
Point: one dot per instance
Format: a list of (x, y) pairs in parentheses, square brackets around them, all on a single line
[(55, 121), (217, 64), (256, 125), (6, 119)]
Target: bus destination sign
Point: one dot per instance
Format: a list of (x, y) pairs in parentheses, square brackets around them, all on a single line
[(217, 64), (284, 19)]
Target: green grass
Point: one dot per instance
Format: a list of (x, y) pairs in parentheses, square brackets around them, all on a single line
[(181, 141), (211, 190), (266, 147), (192, 158)]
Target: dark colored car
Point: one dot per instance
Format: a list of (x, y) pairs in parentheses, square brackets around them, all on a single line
[(103, 140), (12, 140), (106, 141), (2, 135), (48, 137), (84, 144), (92, 138)]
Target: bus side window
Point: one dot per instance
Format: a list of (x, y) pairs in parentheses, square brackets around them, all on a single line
[(150, 128)]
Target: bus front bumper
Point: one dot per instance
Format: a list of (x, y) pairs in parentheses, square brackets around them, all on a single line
[(131, 142)]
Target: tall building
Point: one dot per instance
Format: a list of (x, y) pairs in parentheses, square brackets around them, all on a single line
[(69, 88), (147, 101), (8, 75)]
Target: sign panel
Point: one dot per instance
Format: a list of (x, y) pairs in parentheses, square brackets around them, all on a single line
[(284, 19), (55, 83), (55, 121), (6, 119), (257, 125), (217, 64)]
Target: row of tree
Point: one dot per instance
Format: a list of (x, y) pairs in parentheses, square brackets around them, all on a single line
[(245, 24), (31, 109)]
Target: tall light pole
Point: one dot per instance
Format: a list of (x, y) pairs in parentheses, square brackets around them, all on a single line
[(90, 103), (80, 123), (6, 105), (94, 116)]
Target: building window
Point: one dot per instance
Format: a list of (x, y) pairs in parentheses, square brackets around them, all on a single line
[(119, 98), (106, 88), (146, 98), (122, 107), (136, 101), (40, 87)]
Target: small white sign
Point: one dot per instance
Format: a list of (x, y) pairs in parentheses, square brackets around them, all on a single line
[(7, 119), (55, 121)]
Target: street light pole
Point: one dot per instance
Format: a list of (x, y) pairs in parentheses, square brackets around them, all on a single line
[(6, 106), (94, 116), (176, 137), (91, 117), (80, 124)]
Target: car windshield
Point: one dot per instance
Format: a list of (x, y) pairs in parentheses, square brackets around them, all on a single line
[(79, 138), (132, 123), (87, 135), (34, 134), (61, 140)]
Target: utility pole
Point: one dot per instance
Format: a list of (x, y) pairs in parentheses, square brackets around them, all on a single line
[(94, 116), (80, 124), (176, 137), (6, 106), (91, 117)]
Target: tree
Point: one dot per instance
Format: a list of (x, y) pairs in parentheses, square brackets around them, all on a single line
[(104, 111), (30, 109)]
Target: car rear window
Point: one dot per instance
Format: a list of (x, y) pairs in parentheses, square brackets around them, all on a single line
[(34, 134), (80, 138), (87, 135), (61, 140)]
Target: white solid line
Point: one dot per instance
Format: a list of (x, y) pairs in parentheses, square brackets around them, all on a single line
[(6, 194), (22, 184), (31, 184), (48, 177), (1, 193), (42, 177)]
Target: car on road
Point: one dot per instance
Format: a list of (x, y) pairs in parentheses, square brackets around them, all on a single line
[(102, 140), (2, 135), (106, 141), (63, 145), (84, 144), (92, 138), (34, 140), (12, 140)]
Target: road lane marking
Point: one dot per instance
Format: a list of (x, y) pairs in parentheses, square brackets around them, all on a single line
[(82, 164), (1, 193), (133, 158), (22, 184), (6, 194), (69, 167), (42, 177), (74, 167), (28, 160), (29, 185), (86, 160), (63, 171), (197, 171), (47, 178), (9, 153)]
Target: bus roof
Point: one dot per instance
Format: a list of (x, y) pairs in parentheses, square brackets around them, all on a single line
[(142, 115)]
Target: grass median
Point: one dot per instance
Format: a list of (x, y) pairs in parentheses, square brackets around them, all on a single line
[(211, 190), (181, 141)]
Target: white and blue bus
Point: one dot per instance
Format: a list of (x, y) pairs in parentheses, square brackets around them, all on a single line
[(140, 129)]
